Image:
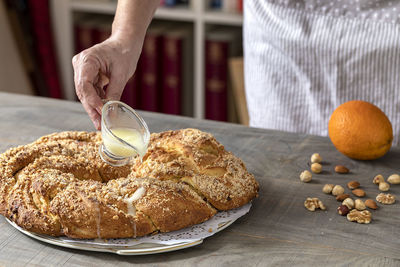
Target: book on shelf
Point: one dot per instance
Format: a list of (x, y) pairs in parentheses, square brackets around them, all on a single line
[(229, 6), (236, 74), (176, 89), (84, 27), (44, 46), (90, 30), (13, 74), (150, 69), (221, 43), (102, 30), (175, 3), (131, 92)]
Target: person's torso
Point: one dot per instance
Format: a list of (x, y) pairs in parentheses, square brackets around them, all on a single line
[(303, 58)]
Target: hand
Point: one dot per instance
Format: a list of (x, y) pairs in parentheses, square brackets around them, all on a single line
[(101, 72)]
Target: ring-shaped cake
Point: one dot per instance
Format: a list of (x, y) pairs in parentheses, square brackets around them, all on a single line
[(58, 185)]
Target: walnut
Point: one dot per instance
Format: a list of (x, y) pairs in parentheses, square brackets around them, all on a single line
[(386, 198), (313, 203), (359, 216)]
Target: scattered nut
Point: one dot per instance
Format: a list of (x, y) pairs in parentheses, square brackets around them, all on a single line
[(316, 168), (342, 197), (394, 179), (337, 190), (377, 179), (358, 192), (343, 210), (316, 158), (349, 203), (313, 203), (305, 176), (359, 216), (341, 169), (327, 189), (359, 204), (386, 198), (383, 186), (371, 204), (353, 184)]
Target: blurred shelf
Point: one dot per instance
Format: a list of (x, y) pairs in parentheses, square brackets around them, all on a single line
[(94, 7), (176, 13), (223, 18), (196, 12)]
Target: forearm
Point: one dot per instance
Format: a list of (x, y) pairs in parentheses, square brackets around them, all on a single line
[(132, 19)]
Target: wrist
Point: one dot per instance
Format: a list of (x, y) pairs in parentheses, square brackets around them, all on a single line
[(128, 39)]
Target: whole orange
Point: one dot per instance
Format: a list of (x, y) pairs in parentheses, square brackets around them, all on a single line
[(360, 130)]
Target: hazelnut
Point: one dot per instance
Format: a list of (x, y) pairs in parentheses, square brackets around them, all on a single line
[(342, 197), (383, 186), (337, 190), (343, 210), (305, 176), (341, 169), (358, 192), (371, 204), (359, 204), (377, 179), (316, 168), (316, 158), (353, 185), (327, 189), (394, 179), (349, 203)]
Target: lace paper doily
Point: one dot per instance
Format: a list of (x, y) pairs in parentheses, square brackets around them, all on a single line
[(189, 234)]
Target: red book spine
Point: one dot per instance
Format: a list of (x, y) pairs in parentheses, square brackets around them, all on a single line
[(240, 6), (102, 32), (43, 38), (129, 96), (172, 75), (216, 80), (83, 37), (150, 73)]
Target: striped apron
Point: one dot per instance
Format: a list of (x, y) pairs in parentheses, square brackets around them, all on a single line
[(303, 58)]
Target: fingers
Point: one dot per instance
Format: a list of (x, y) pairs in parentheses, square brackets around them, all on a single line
[(86, 75), (91, 102), (100, 84), (94, 115), (115, 88)]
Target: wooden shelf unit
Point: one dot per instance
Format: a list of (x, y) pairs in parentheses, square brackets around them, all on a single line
[(197, 13)]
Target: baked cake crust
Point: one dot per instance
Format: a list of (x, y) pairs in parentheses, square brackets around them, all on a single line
[(58, 185)]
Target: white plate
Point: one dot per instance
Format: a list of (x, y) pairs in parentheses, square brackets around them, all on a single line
[(140, 249)]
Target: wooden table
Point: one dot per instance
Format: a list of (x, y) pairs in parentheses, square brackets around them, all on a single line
[(277, 231)]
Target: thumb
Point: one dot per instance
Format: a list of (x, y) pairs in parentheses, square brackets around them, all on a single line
[(115, 89)]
